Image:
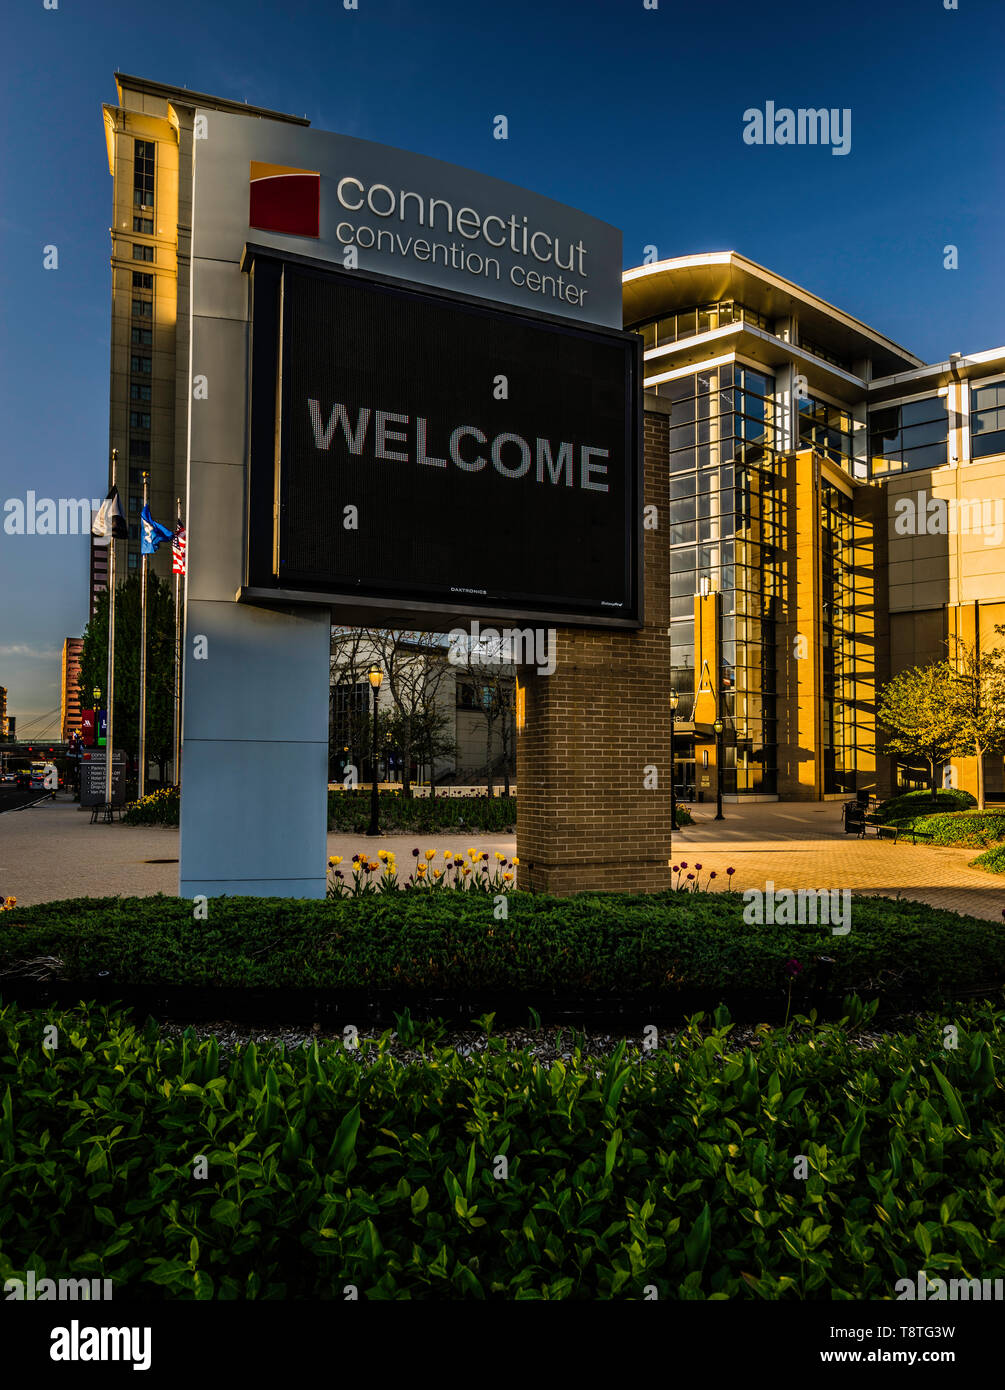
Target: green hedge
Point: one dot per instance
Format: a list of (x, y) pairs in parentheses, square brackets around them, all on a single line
[(675, 1169), (992, 859), (961, 827), (909, 805), (349, 811), (594, 942)]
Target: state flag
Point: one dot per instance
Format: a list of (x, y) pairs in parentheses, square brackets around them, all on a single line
[(152, 533), (110, 520)]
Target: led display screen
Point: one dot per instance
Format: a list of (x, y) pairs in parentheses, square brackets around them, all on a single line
[(438, 451)]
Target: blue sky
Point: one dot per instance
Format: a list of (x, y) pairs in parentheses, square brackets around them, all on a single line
[(633, 115)]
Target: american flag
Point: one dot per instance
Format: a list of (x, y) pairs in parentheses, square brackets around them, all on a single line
[(178, 546)]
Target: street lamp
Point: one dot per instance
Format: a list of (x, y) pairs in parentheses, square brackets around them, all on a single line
[(717, 726), (376, 676), (674, 701)]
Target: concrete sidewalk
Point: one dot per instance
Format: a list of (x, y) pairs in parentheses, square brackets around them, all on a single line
[(52, 851)]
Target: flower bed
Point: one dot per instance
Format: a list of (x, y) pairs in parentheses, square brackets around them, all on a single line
[(157, 808), (474, 872)]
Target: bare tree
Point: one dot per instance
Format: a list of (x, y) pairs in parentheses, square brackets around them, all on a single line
[(491, 677)]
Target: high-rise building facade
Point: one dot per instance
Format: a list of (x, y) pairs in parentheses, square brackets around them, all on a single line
[(149, 135), (807, 566), (69, 685)]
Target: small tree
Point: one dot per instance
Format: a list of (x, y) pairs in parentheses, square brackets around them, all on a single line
[(976, 699), (915, 708)]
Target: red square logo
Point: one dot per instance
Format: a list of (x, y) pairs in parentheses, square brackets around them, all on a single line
[(285, 200)]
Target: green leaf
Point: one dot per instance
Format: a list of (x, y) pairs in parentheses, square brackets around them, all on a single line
[(420, 1200), (698, 1241), (953, 1103), (610, 1153), (923, 1239), (343, 1147), (852, 1142), (226, 1212)]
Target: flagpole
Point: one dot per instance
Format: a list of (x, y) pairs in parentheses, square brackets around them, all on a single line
[(177, 659), (110, 683), (141, 786)]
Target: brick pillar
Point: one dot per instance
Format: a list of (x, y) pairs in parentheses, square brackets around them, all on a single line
[(596, 730)]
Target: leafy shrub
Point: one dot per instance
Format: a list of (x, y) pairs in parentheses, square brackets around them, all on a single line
[(961, 827), (328, 1167), (992, 859), (604, 944), (158, 808), (909, 805), (349, 811), (683, 816)]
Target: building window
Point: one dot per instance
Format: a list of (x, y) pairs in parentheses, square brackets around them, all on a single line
[(808, 345), (702, 318), (909, 436), (143, 308), (139, 392), (143, 224), (142, 336), (134, 502), (139, 420), (139, 448), (828, 429), (142, 280), (143, 253), (987, 420), (133, 558), (134, 475), (143, 173), (134, 531), (140, 364)]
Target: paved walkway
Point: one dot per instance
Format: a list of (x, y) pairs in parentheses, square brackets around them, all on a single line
[(803, 845), (53, 851)]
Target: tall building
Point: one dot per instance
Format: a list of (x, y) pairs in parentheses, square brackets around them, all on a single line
[(98, 572), (149, 137), (835, 518), (73, 648), (3, 711)]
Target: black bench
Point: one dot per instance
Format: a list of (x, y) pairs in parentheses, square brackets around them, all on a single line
[(855, 823), (105, 811)]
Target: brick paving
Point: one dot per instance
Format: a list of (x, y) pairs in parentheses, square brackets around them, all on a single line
[(52, 851)]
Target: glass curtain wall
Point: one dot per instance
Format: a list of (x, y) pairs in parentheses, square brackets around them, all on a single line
[(701, 318), (908, 436), (726, 519), (839, 746)]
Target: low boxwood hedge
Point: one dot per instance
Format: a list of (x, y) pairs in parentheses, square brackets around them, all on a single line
[(655, 945), (349, 812), (807, 1167)]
